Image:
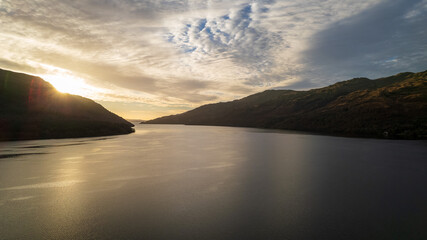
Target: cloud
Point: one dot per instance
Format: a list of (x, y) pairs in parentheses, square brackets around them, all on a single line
[(235, 36), (194, 52), (15, 65), (385, 39)]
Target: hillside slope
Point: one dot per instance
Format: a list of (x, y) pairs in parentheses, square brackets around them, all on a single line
[(391, 107), (31, 108)]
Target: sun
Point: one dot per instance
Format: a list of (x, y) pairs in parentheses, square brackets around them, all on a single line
[(67, 83)]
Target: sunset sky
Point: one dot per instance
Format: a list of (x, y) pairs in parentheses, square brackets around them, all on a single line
[(148, 58)]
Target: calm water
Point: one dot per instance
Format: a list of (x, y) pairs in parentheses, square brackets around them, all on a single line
[(194, 182)]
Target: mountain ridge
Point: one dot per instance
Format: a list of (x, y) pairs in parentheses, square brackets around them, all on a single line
[(388, 107), (31, 108)]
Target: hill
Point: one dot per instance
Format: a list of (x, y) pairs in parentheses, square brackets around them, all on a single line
[(390, 107), (31, 108)]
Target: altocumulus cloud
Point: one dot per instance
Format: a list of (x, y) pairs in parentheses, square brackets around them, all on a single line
[(236, 36), (186, 53)]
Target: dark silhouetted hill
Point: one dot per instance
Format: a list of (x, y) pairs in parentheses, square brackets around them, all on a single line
[(31, 108), (391, 107)]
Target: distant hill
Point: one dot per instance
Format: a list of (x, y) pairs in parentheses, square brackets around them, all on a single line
[(31, 108), (135, 120), (391, 107)]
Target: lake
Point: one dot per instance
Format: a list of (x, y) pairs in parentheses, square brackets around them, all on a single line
[(201, 182)]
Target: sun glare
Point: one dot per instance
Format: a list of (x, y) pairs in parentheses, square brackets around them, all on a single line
[(67, 83)]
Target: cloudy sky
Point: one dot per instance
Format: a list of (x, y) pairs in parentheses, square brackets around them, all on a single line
[(148, 58)]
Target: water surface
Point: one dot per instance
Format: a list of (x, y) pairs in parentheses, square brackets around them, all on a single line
[(198, 182)]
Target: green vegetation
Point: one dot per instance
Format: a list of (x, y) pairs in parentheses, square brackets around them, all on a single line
[(31, 108), (391, 107)]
